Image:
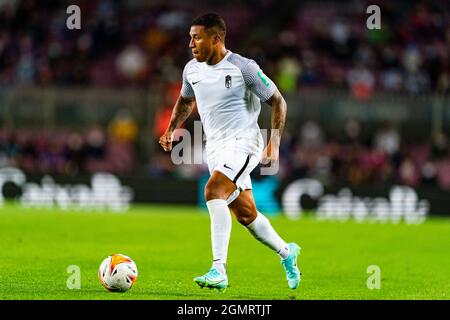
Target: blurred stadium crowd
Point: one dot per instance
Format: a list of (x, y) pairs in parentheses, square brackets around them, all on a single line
[(348, 159), (305, 45), (69, 152), (320, 44)]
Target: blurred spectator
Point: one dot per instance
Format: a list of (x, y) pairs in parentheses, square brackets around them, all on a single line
[(387, 139), (352, 131), (132, 63), (429, 174), (123, 127), (440, 148), (52, 158), (164, 112), (74, 153), (311, 135), (361, 82), (392, 80), (408, 173), (161, 166), (309, 73), (95, 143), (443, 84), (417, 82), (288, 72)]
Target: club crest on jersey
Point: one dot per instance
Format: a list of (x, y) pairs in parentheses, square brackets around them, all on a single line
[(228, 81)]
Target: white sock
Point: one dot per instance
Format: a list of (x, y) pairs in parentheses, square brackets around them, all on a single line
[(263, 231), (220, 232)]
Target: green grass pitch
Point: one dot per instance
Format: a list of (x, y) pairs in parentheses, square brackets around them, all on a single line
[(171, 245)]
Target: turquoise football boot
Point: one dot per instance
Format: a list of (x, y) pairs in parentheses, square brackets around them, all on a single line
[(290, 266), (213, 280)]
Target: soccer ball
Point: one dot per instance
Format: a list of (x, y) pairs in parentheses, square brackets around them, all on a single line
[(118, 273)]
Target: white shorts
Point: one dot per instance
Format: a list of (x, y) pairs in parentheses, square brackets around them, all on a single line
[(236, 160)]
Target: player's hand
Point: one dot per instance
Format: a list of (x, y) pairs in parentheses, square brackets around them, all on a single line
[(270, 154), (166, 140)]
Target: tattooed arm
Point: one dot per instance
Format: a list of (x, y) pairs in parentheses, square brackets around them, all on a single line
[(181, 111), (279, 111)]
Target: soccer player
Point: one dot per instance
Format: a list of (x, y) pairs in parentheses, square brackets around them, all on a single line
[(227, 89)]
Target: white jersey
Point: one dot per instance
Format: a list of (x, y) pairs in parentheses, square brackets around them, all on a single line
[(228, 97)]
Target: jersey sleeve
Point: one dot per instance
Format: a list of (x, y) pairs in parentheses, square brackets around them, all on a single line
[(257, 81), (186, 88)]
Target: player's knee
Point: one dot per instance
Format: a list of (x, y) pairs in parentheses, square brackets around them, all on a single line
[(213, 191)]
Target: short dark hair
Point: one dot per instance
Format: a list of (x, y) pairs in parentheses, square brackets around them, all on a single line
[(211, 21)]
